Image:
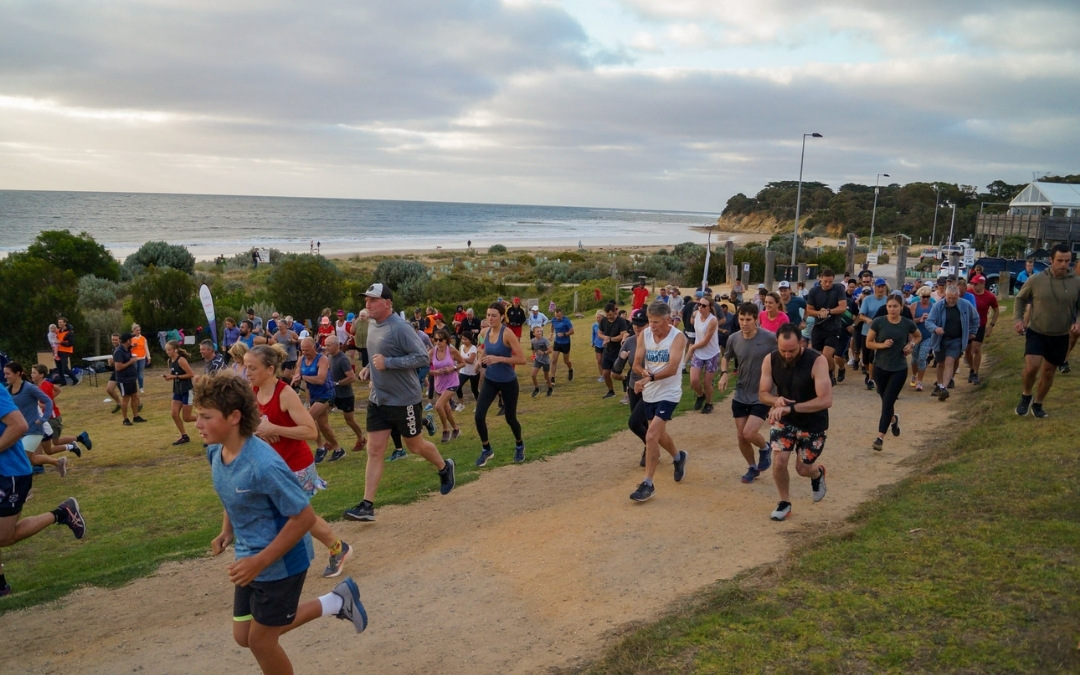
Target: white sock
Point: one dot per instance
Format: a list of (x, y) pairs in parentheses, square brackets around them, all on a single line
[(331, 604)]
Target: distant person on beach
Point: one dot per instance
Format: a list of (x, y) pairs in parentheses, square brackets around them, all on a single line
[(16, 478), (267, 516), (501, 353), (395, 401), (468, 244), (658, 364), (318, 248), (255, 258)]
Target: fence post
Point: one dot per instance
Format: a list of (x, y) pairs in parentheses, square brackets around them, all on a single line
[(770, 269), (850, 262), (729, 262)]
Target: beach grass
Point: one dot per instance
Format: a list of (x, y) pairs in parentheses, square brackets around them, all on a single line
[(147, 502), (971, 565)]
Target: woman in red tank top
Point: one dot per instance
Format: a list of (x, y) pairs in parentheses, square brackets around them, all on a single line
[(287, 426)]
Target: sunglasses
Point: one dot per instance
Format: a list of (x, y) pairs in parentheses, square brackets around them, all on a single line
[(703, 304)]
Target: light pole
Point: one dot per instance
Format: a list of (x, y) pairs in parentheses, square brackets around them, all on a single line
[(873, 214), (953, 223), (937, 203), (798, 196)]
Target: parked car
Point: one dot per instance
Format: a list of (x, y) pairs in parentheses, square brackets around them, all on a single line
[(992, 268), (929, 254)]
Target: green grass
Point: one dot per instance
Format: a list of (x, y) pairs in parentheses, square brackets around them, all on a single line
[(970, 565), (146, 502)]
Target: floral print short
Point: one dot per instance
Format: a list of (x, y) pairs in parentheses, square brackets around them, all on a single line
[(310, 482), (787, 438)]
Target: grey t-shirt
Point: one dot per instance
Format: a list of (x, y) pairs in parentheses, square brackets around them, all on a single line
[(339, 370), (892, 359), (751, 353), (540, 348), (397, 341)]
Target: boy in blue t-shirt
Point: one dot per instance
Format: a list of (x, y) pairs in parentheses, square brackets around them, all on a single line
[(268, 516), (16, 479), (561, 330)]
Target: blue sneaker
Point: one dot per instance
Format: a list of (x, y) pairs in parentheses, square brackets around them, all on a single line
[(84, 438), (351, 609), (446, 477), (764, 460), (752, 472), (519, 453), (680, 465), (429, 424), (485, 455), (397, 454), (320, 455)]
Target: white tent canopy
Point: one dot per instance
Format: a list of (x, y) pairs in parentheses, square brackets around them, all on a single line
[(1053, 199)]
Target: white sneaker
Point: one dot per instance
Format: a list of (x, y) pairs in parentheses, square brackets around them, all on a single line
[(459, 407), (783, 510)]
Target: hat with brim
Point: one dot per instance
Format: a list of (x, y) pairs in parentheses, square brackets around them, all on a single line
[(378, 291)]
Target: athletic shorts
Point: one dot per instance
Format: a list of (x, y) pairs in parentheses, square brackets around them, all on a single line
[(787, 438), (345, 404), (710, 365), (407, 419), (13, 491), (325, 400), (57, 425), (820, 339), (980, 337), (127, 388), (690, 335), (270, 603), (562, 349), (662, 409), (952, 348), (598, 350), (1053, 348), (546, 367), (309, 479), (759, 410), (608, 361), (187, 398)]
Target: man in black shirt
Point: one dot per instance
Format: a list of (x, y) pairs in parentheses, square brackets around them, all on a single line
[(826, 302), (470, 325), (613, 330), (516, 317), (127, 379)]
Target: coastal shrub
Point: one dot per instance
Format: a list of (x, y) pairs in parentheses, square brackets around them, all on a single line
[(883, 258), (663, 266), (552, 271), (755, 255), (159, 254), (397, 273), (97, 293), (301, 285), (526, 259), (586, 298), (831, 258), (411, 291), (497, 248), (105, 322), (35, 293), (464, 289), (541, 287), (687, 250), (165, 298), (77, 253)]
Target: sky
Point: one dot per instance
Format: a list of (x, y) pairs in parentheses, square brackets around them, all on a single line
[(672, 104)]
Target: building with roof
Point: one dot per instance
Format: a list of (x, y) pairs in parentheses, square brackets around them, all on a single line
[(1044, 213)]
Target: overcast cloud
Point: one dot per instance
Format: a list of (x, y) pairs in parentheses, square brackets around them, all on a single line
[(625, 103)]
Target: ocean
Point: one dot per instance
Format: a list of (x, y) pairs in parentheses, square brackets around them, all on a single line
[(213, 225)]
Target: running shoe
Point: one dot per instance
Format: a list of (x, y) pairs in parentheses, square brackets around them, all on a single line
[(817, 485), (485, 455), (913, 383), (550, 391), (975, 379), (502, 411), (879, 444), (783, 510), (610, 394), (1063, 368), (869, 383), (764, 459), (841, 374), (333, 568), (943, 394), (116, 410), (360, 444), (459, 407), (5, 590), (707, 409), (351, 609), (570, 376), (398, 453), (918, 386), (642, 463), (832, 379), (599, 379), (138, 418), (752, 472), (952, 383), (680, 465), (127, 422), (337, 454), (971, 377), (625, 400), (455, 433), (183, 439), (429, 424), (446, 437), (536, 390), (428, 408), (446, 477), (643, 493), (1024, 405), (364, 512), (699, 402), (73, 516), (61, 466), (895, 426), (1037, 411), (74, 449), (84, 438), (320, 454), (519, 453)]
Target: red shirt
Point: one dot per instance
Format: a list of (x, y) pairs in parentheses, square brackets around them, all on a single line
[(325, 331), (983, 303), (49, 389), (295, 452), (640, 293)]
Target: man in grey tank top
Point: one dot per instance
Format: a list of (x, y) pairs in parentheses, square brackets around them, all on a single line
[(751, 345), (396, 400)]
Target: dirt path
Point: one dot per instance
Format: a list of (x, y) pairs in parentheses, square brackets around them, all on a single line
[(531, 568)]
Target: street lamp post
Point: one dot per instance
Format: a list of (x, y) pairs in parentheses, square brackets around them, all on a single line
[(873, 215), (798, 196), (953, 223), (937, 203)]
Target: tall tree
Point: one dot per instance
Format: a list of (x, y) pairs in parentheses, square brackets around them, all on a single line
[(78, 253)]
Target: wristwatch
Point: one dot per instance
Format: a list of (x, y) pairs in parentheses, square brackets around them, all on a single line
[(652, 377)]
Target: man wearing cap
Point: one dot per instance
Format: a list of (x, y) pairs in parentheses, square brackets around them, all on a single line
[(516, 317), (536, 318), (341, 328), (1054, 299), (395, 401), (986, 305), (794, 306), (759, 299), (868, 309), (256, 322)]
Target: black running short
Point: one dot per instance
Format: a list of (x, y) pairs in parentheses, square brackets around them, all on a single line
[(820, 339), (270, 603), (345, 404), (561, 348), (980, 337), (127, 388), (13, 492), (1053, 348), (408, 420), (759, 410)]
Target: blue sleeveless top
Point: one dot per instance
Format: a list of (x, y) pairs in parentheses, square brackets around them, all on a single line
[(499, 372), (317, 392)]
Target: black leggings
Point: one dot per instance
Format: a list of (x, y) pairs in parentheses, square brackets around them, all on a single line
[(488, 391), (474, 384), (889, 385), (638, 424)]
